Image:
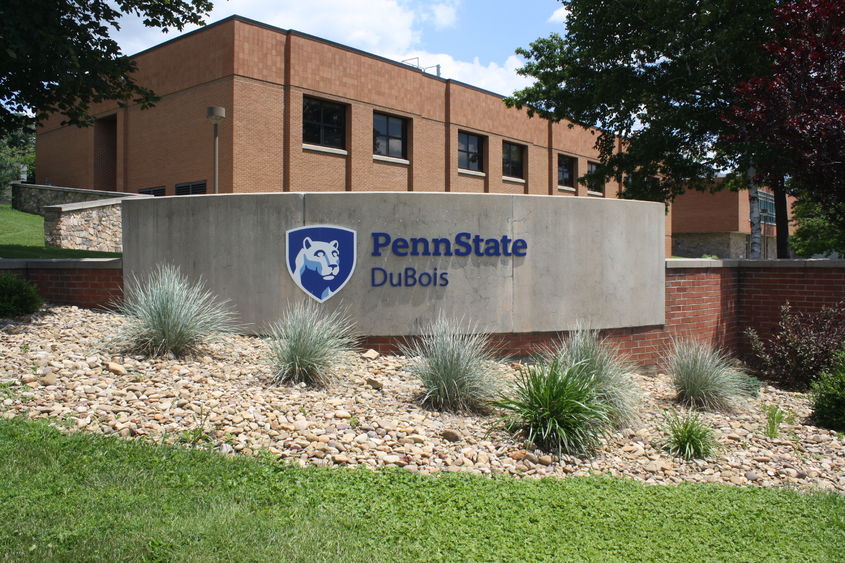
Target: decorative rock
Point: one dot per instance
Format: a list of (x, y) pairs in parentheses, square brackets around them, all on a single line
[(374, 383), (340, 458), (49, 379), (116, 368), (342, 414), (751, 475), (370, 355), (545, 459), (451, 435)]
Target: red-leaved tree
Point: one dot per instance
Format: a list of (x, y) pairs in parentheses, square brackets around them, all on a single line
[(795, 117)]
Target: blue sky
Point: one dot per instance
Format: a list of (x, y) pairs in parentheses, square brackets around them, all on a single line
[(472, 40)]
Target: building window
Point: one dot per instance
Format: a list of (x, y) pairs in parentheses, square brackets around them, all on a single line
[(156, 191), (512, 158), (595, 185), (565, 171), (323, 123), (767, 208), (470, 152), (190, 188), (390, 135)]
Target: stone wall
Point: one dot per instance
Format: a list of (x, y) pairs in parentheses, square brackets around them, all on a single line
[(33, 198), (721, 245), (94, 225)]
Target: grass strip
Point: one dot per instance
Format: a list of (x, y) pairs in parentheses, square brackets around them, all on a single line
[(89, 497)]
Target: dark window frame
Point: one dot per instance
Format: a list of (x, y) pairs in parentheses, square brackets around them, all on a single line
[(474, 160), (387, 137), (513, 167), (592, 186), (191, 188), (329, 133), (573, 170), (156, 191)]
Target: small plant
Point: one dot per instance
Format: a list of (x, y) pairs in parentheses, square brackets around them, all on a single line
[(557, 408), (704, 377), (197, 435), (612, 373), (453, 363), (774, 416), (307, 342), (688, 436), (167, 313), (828, 396), (801, 347), (17, 296), (354, 422)]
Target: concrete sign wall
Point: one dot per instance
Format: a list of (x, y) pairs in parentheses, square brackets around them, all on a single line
[(509, 263)]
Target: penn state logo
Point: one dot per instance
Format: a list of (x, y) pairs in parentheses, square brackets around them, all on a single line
[(321, 258)]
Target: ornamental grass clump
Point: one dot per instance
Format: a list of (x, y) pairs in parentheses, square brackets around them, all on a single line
[(612, 373), (307, 342), (453, 362), (559, 408), (704, 377), (689, 437), (166, 313)]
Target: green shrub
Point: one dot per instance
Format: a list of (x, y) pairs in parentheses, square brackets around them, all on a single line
[(453, 363), (557, 408), (801, 347), (774, 416), (167, 313), (705, 377), (828, 396), (307, 342), (612, 373), (17, 296), (688, 437)]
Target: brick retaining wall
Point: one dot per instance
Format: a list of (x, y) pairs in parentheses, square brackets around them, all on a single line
[(712, 300), (87, 282)]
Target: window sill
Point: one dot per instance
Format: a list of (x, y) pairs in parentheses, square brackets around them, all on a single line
[(328, 150), (391, 159), (595, 194), (567, 189), (513, 180), (466, 172)]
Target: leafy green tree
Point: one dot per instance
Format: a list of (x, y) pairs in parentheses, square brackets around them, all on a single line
[(17, 148), (816, 233), (658, 74), (56, 56)]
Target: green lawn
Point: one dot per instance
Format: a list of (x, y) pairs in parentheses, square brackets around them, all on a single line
[(22, 236), (86, 497)]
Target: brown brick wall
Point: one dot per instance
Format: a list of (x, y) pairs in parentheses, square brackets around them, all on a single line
[(74, 286), (711, 304), (247, 68)]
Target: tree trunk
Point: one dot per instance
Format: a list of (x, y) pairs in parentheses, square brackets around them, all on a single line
[(754, 204), (781, 219)]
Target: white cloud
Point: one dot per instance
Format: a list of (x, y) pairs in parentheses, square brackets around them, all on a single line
[(559, 16), (444, 14)]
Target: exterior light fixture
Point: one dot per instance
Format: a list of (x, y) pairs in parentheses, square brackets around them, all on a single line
[(215, 115)]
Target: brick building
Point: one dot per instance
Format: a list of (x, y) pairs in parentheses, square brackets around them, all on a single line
[(306, 114)]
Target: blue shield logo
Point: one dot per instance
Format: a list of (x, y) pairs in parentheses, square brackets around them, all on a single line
[(321, 258)]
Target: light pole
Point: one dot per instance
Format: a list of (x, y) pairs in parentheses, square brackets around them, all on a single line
[(215, 115)]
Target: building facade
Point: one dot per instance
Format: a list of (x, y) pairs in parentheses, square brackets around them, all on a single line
[(305, 114)]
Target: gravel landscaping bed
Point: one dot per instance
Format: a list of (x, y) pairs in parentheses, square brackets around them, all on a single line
[(54, 365)]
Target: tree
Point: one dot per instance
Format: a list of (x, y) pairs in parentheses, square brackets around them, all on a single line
[(815, 234), (56, 56), (17, 149), (796, 110), (658, 74)]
